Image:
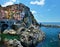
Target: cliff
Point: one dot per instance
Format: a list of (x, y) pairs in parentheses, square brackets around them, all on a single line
[(25, 28)]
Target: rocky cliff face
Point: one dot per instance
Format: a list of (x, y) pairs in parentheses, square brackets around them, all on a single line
[(28, 28)]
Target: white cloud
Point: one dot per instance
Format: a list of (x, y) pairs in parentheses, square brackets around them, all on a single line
[(41, 2), (33, 12), (13, 0), (8, 3)]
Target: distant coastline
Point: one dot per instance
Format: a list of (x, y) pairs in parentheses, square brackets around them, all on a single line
[(50, 24)]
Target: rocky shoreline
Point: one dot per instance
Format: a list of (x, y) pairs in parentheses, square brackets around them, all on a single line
[(21, 29), (27, 37)]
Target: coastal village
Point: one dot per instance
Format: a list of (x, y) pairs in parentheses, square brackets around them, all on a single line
[(18, 27), (29, 23), (12, 12)]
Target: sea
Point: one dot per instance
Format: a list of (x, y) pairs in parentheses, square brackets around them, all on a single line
[(51, 36)]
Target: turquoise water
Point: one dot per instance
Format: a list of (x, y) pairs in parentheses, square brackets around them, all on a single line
[(51, 39)]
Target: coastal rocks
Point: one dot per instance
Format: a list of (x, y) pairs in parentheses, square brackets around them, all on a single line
[(20, 30), (31, 36), (0, 38), (59, 35), (9, 31), (23, 25), (12, 43)]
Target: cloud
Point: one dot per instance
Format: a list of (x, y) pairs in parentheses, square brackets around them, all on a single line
[(41, 2), (33, 12), (13, 0), (8, 3)]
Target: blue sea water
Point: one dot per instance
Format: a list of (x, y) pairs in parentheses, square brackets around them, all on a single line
[(51, 39)]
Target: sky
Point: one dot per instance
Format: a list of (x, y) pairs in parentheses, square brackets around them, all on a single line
[(43, 10)]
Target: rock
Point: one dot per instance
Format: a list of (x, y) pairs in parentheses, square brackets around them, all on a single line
[(0, 38), (6, 41), (16, 43), (10, 31), (6, 31), (59, 35), (28, 28), (31, 36), (20, 30), (11, 41)]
